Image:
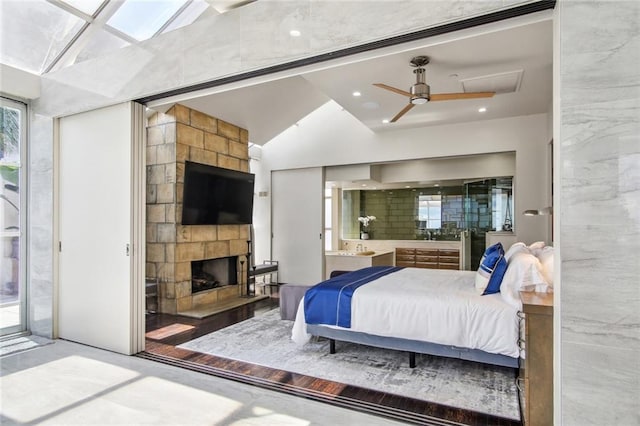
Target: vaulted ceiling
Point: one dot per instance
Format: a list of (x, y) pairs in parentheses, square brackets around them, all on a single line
[(512, 59)]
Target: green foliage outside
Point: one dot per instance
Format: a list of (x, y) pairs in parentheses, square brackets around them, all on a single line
[(9, 143)]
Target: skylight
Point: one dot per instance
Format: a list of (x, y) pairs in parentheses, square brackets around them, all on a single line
[(89, 7), (100, 43), (188, 15), (40, 36), (142, 19), (34, 50)]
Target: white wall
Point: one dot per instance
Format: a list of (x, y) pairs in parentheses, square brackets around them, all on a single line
[(18, 83), (597, 143), (313, 143)]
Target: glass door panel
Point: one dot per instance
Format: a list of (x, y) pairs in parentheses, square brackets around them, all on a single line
[(12, 217)]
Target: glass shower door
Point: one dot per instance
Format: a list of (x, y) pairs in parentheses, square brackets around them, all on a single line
[(477, 217)]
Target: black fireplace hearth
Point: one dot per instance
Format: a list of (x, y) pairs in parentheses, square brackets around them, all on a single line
[(213, 273)]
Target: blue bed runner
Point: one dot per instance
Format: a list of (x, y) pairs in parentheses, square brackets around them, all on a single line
[(330, 301)]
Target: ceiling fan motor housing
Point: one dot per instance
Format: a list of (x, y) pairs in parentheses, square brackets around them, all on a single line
[(420, 92)]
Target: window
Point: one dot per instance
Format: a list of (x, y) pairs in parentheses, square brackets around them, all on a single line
[(430, 211), (12, 216)]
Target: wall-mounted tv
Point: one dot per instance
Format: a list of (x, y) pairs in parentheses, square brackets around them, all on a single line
[(216, 196)]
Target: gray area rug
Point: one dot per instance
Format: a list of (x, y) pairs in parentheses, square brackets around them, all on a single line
[(266, 340)]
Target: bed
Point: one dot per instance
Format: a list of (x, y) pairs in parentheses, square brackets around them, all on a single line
[(429, 311)]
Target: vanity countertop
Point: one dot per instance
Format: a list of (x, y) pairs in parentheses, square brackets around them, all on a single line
[(368, 253)]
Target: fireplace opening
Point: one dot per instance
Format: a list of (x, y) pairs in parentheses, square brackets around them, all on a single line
[(212, 273)]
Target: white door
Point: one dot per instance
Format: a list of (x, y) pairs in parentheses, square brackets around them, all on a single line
[(297, 200), (99, 296)]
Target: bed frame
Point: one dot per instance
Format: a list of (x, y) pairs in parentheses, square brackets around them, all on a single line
[(412, 346)]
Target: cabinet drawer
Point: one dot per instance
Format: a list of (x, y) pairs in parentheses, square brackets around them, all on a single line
[(405, 264), (448, 252), (426, 252), (453, 266), (424, 258), (427, 265), (405, 251), (405, 258)]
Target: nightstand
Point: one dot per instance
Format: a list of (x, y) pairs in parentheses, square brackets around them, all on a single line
[(536, 375)]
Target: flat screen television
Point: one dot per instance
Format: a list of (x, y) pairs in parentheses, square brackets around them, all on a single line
[(216, 196)]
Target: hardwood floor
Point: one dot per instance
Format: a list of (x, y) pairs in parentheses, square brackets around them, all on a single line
[(165, 332)]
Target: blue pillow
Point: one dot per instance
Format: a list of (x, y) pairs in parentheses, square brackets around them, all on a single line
[(491, 270)]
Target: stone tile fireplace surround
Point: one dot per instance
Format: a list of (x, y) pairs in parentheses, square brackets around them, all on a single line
[(174, 137)]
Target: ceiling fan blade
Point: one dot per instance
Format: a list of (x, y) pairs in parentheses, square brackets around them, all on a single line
[(454, 96), (401, 113), (393, 89)]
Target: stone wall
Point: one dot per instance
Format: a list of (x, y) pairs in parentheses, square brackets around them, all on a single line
[(174, 137)]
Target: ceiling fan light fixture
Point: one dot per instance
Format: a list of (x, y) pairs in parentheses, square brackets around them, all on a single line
[(420, 93), (419, 100)]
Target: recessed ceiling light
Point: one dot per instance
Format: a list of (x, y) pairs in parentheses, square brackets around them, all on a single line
[(385, 121), (436, 184), (483, 109), (294, 33), (407, 186), (356, 93), (364, 184)]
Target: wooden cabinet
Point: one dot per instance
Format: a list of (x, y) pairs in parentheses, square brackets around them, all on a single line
[(428, 258), (406, 257), (536, 373)]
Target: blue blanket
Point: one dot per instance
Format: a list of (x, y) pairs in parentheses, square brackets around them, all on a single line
[(330, 301)]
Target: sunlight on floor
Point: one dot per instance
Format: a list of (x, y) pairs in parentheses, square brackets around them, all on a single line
[(154, 400), (41, 391), (81, 390)]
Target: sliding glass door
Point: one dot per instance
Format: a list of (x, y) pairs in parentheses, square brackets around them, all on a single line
[(12, 216)]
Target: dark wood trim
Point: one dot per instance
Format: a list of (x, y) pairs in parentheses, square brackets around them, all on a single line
[(475, 21)]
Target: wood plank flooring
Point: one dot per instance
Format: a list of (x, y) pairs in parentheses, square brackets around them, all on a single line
[(173, 330)]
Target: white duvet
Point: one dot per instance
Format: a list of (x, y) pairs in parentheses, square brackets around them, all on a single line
[(437, 306)]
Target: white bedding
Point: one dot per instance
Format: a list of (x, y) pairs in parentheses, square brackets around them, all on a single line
[(437, 306)]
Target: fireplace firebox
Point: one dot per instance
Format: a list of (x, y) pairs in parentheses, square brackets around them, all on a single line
[(213, 273)]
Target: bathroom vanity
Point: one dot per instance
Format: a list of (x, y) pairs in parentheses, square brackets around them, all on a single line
[(344, 260)]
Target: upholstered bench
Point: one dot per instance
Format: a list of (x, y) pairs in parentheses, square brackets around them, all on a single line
[(291, 295)]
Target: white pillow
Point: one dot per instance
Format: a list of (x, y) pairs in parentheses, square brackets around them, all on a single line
[(546, 260), (515, 248), (524, 273), (536, 247)]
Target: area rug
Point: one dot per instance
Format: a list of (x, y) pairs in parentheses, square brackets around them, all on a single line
[(266, 340)]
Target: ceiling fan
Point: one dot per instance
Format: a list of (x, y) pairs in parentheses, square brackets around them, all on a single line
[(420, 92)]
